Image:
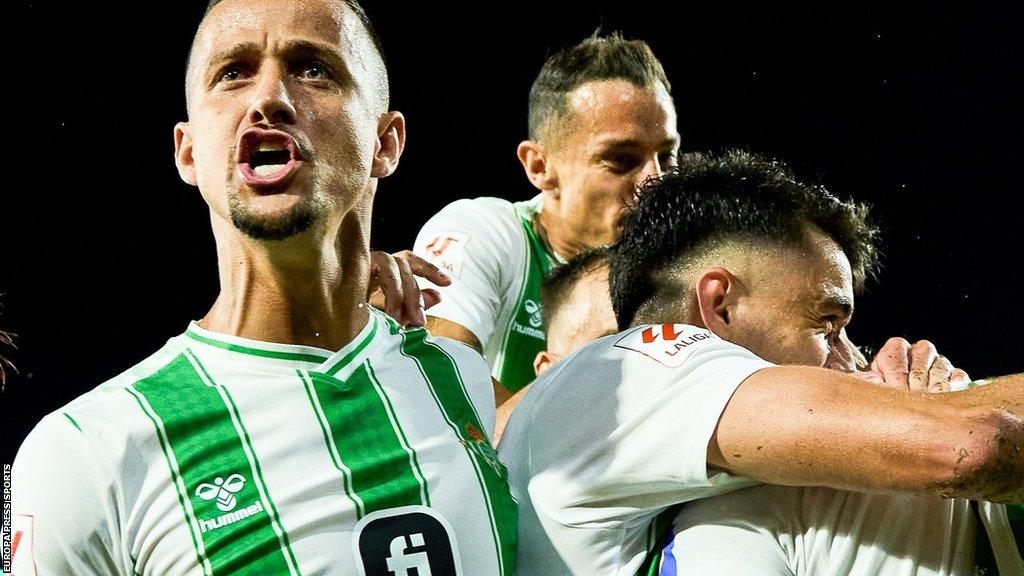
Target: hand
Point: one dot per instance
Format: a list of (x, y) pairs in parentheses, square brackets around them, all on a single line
[(917, 367), (393, 286), (844, 355)]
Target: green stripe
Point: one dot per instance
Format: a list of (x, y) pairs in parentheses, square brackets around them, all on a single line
[(449, 391), (358, 348), (382, 475), (293, 356), (657, 539), (254, 461), (72, 420), (397, 425), (179, 486), (205, 445), (321, 419)]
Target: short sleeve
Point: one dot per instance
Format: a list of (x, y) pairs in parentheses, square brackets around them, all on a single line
[(64, 504), (621, 431), (472, 241)]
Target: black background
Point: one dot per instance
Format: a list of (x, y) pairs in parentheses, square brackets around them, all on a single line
[(106, 253)]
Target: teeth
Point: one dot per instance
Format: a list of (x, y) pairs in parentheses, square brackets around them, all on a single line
[(268, 169), (271, 147)]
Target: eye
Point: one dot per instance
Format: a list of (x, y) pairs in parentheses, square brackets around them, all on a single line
[(314, 71), (232, 73)]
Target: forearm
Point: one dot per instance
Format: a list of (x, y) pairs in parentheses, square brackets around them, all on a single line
[(807, 426)]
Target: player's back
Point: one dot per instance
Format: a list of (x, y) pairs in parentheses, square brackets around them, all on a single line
[(220, 455), (607, 441), (804, 531)]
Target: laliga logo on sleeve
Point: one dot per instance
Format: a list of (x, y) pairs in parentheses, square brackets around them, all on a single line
[(447, 251), (223, 490), (668, 344)]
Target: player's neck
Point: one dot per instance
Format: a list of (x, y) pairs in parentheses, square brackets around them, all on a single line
[(556, 236), (293, 291)]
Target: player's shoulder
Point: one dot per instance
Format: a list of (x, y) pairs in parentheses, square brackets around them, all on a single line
[(110, 410), (484, 214)]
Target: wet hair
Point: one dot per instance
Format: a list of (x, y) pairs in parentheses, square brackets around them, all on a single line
[(710, 199), (558, 284), (596, 58)]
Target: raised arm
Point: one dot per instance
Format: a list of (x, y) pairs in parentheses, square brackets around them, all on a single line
[(814, 427)]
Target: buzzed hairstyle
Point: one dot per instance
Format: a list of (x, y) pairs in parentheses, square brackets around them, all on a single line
[(710, 199), (596, 58), (558, 284), (354, 5)]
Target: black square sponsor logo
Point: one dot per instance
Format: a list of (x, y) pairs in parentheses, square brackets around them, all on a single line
[(407, 541)]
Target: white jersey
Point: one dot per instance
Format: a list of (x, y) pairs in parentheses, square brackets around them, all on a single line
[(607, 442), (794, 531), (221, 455), (489, 247), (790, 531)]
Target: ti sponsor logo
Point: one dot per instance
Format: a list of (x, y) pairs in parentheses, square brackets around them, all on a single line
[(406, 541)]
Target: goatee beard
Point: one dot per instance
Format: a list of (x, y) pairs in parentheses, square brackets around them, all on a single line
[(296, 220)]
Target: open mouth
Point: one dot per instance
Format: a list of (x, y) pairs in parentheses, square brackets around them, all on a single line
[(267, 158)]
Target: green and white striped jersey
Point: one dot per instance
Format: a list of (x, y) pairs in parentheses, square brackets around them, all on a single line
[(497, 264), (221, 455)]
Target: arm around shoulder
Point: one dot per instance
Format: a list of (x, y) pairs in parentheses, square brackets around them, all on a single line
[(806, 426)]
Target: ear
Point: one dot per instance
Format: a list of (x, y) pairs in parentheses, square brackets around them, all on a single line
[(534, 158), (718, 293), (183, 153), (542, 362), (390, 144)]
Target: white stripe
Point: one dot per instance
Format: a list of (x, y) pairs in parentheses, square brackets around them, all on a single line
[(276, 521)]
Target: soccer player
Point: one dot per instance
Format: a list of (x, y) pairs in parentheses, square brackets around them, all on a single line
[(762, 269), (601, 120), (292, 430)]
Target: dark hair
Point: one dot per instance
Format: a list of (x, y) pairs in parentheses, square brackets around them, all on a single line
[(353, 4), (6, 340), (596, 58), (558, 284), (710, 198)]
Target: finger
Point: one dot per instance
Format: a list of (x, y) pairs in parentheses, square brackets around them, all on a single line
[(892, 362), (389, 278), (430, 297), (873, 377), (959, 378), (412, 303), (424, 269), (922, 356), (377, 299), (939, 375)]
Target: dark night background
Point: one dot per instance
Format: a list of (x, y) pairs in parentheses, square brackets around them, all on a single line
[(106, 253)]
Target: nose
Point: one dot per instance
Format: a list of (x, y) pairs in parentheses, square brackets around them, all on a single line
[(650, 169), (271, 103)]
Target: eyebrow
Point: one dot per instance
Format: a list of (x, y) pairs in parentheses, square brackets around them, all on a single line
[(838, 303), (620, 143), (290, 49)]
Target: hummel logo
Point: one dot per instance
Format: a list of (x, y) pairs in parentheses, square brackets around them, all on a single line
[(223, 490)]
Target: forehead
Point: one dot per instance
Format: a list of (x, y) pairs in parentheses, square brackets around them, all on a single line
[(817, 272), (620, 109), (268, 22)]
